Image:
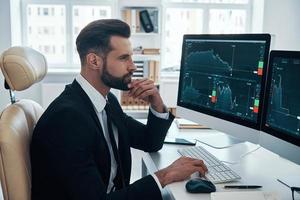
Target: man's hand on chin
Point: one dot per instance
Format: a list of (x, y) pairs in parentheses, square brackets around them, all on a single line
[(146, 90)]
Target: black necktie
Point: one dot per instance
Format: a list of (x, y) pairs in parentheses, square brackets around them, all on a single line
[(119, 179)]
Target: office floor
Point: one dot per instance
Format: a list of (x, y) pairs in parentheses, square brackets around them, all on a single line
[(136, 165)]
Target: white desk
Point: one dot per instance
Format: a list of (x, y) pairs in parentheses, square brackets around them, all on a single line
[(260, 167)]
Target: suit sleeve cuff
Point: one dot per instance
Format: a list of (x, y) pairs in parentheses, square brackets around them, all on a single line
[(160, 115), (157, 182)]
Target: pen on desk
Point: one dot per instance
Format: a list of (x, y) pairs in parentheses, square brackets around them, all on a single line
[(242, 186)]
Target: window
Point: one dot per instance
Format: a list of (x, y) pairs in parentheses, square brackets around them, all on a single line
[(52, 28), (200, 17), (213, 1), (227, 21), (190, 21), (42, 29), (82, 15), (56, 24)]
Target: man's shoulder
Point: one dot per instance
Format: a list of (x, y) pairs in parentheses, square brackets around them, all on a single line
[(66, 104)]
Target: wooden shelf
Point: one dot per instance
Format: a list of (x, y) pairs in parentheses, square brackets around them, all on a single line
[(146, 57), (137, 114)]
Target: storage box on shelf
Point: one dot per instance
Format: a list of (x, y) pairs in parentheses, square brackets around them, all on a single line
[(131, 15)]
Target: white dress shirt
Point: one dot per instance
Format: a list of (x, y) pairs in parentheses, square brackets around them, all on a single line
[(99, 103)]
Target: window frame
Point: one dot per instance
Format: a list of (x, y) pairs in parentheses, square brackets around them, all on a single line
[(205, 7), (69, 65)]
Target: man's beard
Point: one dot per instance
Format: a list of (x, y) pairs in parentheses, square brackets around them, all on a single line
[(111, 81)]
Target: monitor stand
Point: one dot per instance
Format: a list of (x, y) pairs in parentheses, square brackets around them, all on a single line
[(219, 141)]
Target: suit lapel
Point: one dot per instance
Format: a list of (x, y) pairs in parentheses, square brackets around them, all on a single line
[(103, 156)]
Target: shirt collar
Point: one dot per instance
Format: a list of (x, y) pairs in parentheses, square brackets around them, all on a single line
[(96, 97)]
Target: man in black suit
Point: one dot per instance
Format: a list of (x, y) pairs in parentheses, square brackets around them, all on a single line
[(80, 147)]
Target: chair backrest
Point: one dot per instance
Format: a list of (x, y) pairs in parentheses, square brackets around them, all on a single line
[(21, 68)]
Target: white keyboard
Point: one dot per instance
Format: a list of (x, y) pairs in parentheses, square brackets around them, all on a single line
[(218, 172)]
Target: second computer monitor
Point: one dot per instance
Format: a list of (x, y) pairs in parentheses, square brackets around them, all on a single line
[(222, 80), (281, 119)]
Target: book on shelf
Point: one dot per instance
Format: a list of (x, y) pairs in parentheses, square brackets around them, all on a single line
[(135, 104), (130, 103), (187, 124), (153, 13), (131, 15), (147, 68), (156, 72), (139, 72), (137, 22), (151, 51), (152, 70), (126, 16), (133, 20)]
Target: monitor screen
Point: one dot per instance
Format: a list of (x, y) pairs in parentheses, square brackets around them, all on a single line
[(282, 109), (224, 76)]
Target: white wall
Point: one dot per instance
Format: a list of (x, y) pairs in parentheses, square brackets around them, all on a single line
[(5, 42), (282, 18)]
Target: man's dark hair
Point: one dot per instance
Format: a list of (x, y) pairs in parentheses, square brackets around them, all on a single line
[(95, 37)]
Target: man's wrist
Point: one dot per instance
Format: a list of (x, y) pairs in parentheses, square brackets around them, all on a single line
[(157, 104), (160, 109), (163, 177)]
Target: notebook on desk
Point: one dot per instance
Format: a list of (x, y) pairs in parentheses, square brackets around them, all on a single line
[(187, 124)]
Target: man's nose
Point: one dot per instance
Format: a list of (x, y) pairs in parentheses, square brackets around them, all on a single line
[(131, 66)]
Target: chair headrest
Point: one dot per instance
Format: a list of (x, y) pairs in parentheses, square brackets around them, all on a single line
[(22, 67)]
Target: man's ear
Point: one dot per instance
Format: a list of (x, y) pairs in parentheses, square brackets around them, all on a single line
[(94, 61)]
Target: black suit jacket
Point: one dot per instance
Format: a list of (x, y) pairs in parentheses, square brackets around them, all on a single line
[(70, 157)]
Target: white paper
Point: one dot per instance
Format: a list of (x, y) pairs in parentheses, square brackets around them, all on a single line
[(257, 195)]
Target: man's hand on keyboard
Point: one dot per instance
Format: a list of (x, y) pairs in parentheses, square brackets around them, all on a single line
[(180, 170), (218, 172)]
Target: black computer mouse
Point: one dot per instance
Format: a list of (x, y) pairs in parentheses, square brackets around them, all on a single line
[(198, 185)]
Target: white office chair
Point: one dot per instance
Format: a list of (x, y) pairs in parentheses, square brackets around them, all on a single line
[(21, 67)]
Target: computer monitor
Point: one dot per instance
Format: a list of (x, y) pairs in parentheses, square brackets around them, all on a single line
[(221, 83), (281, 118)]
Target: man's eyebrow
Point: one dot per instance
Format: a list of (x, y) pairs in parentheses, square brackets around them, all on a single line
[(124, 56)]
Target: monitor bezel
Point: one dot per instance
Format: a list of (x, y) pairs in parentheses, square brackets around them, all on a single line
[(231, 118), (267, 129)]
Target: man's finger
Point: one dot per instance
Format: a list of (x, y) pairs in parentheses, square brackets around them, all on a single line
[(200, 163), (199, 169), (146, 93), (136, 86), (202, 172), (188, 158), (140, 90), (136, 81)]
